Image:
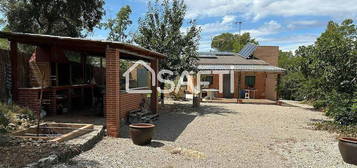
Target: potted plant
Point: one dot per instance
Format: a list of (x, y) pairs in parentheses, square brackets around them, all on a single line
[(348, 150), (141, 133)]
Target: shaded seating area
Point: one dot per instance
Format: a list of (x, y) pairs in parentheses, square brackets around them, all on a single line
[(76, 74)]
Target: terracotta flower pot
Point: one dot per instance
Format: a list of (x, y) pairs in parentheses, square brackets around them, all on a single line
[(348, 150), (141, 133)]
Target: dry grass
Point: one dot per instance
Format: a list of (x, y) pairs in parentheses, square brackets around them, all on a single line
[(333, 127)]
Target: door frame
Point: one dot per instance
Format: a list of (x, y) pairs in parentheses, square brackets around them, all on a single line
[(227, 86)]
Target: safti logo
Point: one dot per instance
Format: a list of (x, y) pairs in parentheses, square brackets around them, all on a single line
[(181, 82)]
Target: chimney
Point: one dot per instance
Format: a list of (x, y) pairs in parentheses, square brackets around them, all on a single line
[(269, 54)]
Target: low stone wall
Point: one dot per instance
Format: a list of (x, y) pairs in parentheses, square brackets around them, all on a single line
[(79, 145)]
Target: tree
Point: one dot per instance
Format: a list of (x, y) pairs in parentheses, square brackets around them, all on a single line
[(336, 57), (160, 30), (61, 17), (231, 42), (119, 25), (2, 22), (326, 71), (291, 83)]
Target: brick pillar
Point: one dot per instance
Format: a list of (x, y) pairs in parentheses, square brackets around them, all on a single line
[(154, 102), (14, 73), (112, 92)]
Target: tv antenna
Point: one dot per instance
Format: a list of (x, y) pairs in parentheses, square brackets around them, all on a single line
[(240, 25)]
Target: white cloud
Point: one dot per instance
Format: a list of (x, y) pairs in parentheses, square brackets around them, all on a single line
[(304, 24), (268, 28), (228, 19), (258, 9), (225, 25), (294, 46), (309, 38)]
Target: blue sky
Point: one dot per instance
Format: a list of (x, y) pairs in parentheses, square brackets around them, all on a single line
[(284, 23)]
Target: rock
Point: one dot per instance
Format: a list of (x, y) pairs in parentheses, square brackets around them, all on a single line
[(176, 151), (11, 126), (4, 139)]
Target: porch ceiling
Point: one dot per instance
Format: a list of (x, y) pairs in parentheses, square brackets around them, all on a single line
[(243, 68), (95, 47)]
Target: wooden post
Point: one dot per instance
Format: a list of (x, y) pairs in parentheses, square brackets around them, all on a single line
[(112, 96), (239, 100), (154, 102), (83, 64), (70, 90), (101, 72), (14, 70)]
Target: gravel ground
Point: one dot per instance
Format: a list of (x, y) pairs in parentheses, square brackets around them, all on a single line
[(223, 135)]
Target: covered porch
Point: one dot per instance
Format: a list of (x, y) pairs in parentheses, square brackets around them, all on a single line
[(241, 83), (76, 83), (241, 101)]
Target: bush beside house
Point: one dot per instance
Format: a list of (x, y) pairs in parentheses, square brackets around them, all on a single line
[(325, 72)]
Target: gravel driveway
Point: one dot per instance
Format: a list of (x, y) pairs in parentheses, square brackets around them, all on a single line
[(223, 135)]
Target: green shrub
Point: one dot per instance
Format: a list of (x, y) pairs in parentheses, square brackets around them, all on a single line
[(342, 107), (320, 104)]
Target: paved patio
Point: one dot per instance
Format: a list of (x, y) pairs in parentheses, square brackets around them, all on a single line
[(223, 135)]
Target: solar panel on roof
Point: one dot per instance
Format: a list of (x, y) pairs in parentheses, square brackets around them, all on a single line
[(224, 54), (248, 50)]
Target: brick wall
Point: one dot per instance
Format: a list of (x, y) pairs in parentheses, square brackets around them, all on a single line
[(29, 98), (129, 102), (269, 54), (271, 84), (260, 78)]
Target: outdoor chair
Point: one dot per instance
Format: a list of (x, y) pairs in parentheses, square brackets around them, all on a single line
[(247, 96)]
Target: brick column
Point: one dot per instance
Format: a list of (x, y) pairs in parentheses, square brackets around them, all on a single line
[(14, 74), (154, 102), (112, 95)]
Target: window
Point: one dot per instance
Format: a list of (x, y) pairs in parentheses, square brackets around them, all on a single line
[(250, 81), (142, 77), (207, 78)]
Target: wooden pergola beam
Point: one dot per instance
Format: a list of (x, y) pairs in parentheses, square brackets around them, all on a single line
[(154, 95), (14, 69)]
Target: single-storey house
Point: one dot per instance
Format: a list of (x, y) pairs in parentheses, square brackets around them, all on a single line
[(62, 69), (256, 72)]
